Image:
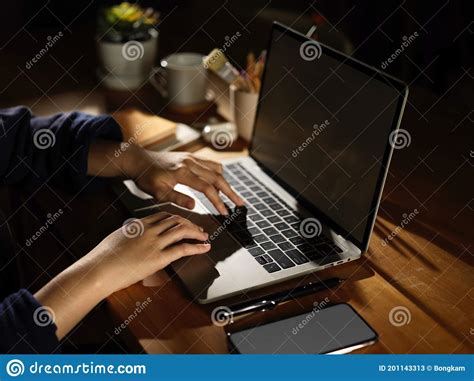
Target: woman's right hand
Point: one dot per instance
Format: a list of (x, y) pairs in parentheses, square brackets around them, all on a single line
[(143, 246), (128, 255)]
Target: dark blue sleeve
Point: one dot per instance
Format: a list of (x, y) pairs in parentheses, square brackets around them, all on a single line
[(54, 149), (24, 326)]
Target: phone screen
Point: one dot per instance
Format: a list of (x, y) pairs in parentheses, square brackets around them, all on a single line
[(337, 328)]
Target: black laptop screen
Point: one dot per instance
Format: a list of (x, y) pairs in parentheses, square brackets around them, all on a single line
[(322, 130)]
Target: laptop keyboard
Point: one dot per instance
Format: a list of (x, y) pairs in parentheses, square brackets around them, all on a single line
[(268, 227)]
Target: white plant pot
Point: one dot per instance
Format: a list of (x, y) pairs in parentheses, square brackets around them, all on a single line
[(126, 66)]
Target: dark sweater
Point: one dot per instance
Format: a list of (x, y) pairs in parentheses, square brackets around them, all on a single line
[(34, 150)]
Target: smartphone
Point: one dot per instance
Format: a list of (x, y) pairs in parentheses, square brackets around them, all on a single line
[(335, 329)]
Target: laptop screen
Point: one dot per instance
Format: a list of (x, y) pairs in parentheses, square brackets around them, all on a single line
[(322, 130)]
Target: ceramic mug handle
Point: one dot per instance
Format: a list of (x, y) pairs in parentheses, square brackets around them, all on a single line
[(159, 83)]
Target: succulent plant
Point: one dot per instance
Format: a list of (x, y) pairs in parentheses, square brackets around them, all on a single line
[(125, 22)]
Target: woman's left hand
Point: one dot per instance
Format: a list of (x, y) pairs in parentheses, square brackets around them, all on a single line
[(157, 173)]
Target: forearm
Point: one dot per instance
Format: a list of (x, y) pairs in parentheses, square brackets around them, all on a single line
[(73, 294), (105, 159)]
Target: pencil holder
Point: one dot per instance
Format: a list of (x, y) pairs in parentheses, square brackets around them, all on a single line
[(243, 106)]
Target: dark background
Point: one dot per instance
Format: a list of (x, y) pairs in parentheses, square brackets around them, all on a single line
[(371, 30)]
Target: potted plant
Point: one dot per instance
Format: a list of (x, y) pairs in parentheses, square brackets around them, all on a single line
[(127, 43)]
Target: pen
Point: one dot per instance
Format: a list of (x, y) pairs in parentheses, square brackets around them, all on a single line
[(271, 301)]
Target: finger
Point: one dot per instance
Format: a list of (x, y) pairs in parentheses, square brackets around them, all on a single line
[(185, 249), (180, 232), (174, 220), (218, 167), (195, 182), (215, 179), (156, 217), (178, 198)]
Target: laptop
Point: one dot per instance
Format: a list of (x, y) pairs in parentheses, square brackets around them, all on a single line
[(313, 179)]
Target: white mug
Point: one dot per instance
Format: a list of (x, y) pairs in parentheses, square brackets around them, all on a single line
[(181, 79)]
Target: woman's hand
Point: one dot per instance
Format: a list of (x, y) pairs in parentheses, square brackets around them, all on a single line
[(136, 250), (143, 246), (157, 173)]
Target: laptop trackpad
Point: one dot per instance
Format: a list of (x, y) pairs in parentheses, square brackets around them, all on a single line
[(198, 272)]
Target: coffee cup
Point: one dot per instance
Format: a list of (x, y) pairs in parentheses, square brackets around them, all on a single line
[(181, 79)]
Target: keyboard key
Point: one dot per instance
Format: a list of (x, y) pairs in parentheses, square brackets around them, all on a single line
[(254, 231), (289, 233), (280, 258), (297, 257), (267, 213), (260, 206), (246, 194), (252, 200), (267, 258), (255, 188), (262, 194), (268, 245), (255, 217), (271, 267), (297, 240), (315, 254), (337, 249), (260, 238), (305, 248), (281, 226), (275, 206), (263, 224), (278, 238), (256, 251), (291, 219), (283, 212), (270, 231), (248, 182), (249, 244), (251, 210), (240, 188), (274, 219), (269, 200), (261, 260), (285, 246)]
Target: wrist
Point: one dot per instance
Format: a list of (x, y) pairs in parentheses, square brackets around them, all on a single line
[(132, 161)]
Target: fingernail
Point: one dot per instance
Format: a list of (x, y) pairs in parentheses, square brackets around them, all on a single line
[(201, 229)]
